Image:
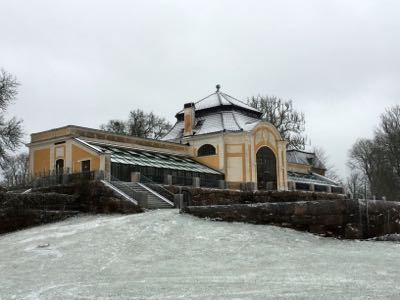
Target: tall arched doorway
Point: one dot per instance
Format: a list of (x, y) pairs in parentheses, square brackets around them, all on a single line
[(59, 170), (59, 166), (266, 169)]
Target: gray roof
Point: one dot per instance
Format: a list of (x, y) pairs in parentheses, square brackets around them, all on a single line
[(215, 122), (219, 99), (218, 112), (304, 158)]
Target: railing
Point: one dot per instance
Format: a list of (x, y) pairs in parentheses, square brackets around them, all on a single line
[(320, 188), (302, 186), (337, 190), (155, 178), (157, 188), (19, 182), (67, 178), (182, 180), (53, 178), (210, 183), (123, 186)]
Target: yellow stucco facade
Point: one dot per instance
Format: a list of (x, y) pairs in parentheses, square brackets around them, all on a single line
[(64, 144), (236, 154), (211, 161), (40, 160), (79, 154), (43, 159)]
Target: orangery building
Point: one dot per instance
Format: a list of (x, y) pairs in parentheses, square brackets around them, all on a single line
[(218, 141)]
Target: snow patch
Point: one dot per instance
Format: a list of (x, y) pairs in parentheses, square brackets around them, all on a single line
[(164, 254)]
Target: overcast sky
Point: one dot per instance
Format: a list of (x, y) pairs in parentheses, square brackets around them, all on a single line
[(85, 62)]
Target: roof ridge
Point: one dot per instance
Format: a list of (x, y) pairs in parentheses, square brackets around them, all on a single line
[(244, 103), (169, 131), (222, 120), (198, 101), (302, 151), (234, 118), (219, 98), (204, 98), (130, 147)]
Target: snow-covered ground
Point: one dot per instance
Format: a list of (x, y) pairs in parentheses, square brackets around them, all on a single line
[(165, 255)]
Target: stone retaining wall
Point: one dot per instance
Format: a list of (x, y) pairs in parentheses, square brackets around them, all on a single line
[(94, 197), (339, 218), (18, 211), (55, 203), (207, 196)]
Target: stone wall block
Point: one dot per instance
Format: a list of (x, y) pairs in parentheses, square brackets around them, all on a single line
[(300, 209)]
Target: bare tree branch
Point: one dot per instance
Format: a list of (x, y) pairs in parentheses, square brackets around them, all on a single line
[(141, 124), (10, 130), (8, 89), (289, 122), (379, 158)]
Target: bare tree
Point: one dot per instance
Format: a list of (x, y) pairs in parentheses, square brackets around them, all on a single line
[(362, 157), (368, 156), (141, 124), (115, 126), (379, 158), (281, 113), (388, 136), (10, 129), (8, 89), (330, 169), (356, 184), (15, 168)]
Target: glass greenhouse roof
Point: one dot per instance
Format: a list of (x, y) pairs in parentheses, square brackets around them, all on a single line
[(310, 178), (152, 159)]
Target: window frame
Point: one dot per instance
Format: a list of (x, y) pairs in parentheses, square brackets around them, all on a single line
[(206, 150)]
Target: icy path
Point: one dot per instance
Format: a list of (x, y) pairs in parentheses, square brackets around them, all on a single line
[(162, 254)]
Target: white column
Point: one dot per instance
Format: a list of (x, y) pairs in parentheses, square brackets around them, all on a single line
[(68, 155), (52, 161)]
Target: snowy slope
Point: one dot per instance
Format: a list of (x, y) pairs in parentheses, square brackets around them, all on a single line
[(164, 255)]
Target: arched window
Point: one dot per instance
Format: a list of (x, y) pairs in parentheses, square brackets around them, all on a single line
[(206, 150)]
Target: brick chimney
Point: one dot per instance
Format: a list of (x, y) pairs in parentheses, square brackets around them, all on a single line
[(188, 118)]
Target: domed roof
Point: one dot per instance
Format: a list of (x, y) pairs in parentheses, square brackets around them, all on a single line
[(221, 101), (218, 112)]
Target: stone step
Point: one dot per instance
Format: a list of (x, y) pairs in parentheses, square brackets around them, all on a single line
[(153, 202)]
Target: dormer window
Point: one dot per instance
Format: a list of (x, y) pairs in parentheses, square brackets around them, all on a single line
[(206, 150)]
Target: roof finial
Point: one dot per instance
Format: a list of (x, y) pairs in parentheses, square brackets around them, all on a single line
[(218, 86)]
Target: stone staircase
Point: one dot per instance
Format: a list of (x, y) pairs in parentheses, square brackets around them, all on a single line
[(119, 192), (136, 190)]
